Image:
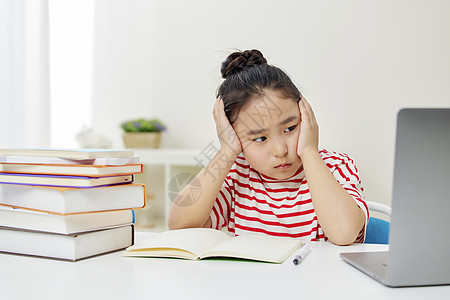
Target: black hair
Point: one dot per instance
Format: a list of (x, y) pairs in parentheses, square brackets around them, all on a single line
[(247, 77)]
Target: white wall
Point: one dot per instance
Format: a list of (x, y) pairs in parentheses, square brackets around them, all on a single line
[(71, 45), (24, 79), (357, 62)]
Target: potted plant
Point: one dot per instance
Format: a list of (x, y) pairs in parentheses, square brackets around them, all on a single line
[(142, 133)]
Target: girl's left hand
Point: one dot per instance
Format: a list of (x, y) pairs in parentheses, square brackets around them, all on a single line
[(308, 139)]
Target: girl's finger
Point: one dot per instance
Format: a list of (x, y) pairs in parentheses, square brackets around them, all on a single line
[(310, 111), (305, 117), (216, 110), (221, 108)]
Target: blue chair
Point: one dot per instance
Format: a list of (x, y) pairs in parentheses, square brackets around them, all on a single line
[(377, 231)]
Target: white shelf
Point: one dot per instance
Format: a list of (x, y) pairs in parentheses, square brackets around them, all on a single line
[(161, 166), (180, 157)]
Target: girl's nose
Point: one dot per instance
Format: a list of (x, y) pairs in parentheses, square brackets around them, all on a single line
[(279, 148)]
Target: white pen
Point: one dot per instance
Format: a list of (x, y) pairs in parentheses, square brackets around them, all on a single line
[(302, 253)]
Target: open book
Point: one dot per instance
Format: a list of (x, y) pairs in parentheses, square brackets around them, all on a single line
[(199, 243)]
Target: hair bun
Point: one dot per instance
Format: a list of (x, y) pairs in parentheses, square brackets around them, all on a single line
[(238, 61)]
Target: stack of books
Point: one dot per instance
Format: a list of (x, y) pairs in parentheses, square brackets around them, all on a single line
[(68, 204)]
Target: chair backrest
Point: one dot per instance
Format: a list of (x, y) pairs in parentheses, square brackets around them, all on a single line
[(377, 231)]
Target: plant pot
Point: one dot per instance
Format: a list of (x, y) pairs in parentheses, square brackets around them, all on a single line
[(142, 139)]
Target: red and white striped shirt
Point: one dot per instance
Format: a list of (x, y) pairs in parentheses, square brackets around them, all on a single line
[(250, 202)]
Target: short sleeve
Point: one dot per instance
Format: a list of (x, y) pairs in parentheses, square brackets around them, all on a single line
[(346, 173), (221, 209)]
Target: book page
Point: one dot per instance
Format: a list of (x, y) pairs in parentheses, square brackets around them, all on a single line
[(256, 247), (193, 240)]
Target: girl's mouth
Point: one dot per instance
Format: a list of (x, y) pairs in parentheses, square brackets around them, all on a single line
[(283, 166)]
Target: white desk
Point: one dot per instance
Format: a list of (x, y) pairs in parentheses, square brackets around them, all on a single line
[(322, 275)]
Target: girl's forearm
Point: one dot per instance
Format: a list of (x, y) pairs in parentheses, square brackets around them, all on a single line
[(192, 206), (338, 214)]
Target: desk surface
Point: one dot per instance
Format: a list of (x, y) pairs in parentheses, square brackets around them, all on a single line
[(321, 274)]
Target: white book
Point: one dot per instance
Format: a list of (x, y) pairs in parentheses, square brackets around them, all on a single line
[(71, 170), (109, 161), (72, 200), (64, 224), (64, 180), (71, 247), (68, 153)]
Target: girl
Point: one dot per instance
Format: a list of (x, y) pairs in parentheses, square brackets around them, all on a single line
[(269, 176)]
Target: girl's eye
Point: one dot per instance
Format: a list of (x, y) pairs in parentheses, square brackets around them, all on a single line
[(291, 128), (260, 139)]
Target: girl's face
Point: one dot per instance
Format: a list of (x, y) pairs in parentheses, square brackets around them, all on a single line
[(268, 129)]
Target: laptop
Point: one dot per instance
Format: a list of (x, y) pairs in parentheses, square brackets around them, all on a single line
[(419, 237)]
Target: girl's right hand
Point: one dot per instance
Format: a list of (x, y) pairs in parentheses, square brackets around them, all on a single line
[(228, 138)]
